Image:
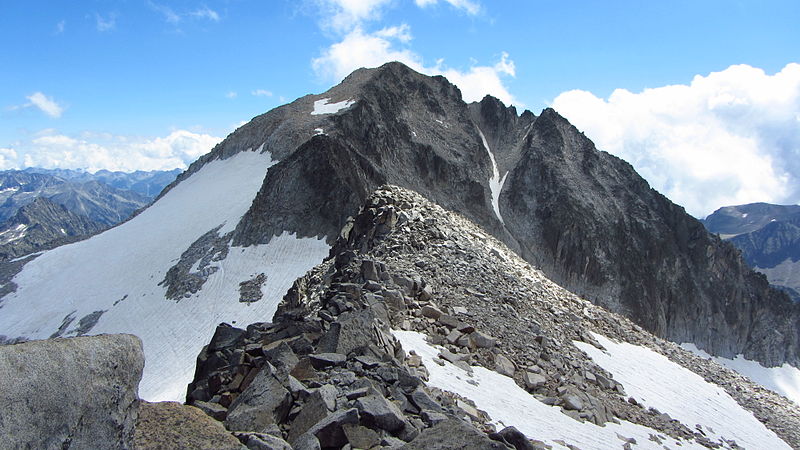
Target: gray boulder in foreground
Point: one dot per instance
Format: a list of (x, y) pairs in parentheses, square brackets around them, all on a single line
[(70, 393)]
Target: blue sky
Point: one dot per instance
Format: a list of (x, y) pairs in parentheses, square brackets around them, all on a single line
[(152, 84)]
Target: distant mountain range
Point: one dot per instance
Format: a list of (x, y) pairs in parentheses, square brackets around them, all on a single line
[(146, 183), (43, 208), (769, 238)]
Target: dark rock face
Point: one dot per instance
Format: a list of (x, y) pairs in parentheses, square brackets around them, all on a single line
[(71, 393), (594, 226), (585, 217), (42, 225)]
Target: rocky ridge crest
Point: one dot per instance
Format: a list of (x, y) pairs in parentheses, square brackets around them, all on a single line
[(405, 263)]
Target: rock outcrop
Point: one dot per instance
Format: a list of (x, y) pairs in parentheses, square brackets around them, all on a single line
[(78, 393), (328, 371), (171, 425)]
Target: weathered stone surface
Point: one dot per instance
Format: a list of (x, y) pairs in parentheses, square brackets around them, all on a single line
[(317, 408), (264, 402), (482, 340), (504, 366), (361, 437), (431, 312), (323, 360), (514, 437), (266, 442), (214, 410), (168, 425), (572, 402), (79, 392), (533, 380), (329, 431), (378, 412), (450, 434)]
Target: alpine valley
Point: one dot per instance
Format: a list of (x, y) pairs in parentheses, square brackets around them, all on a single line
[(384, 265)]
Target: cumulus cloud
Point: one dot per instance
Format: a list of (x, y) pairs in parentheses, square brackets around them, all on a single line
[(360, 49), (92, 151), (46, 104), (356, 48), (730, 137), (468, 6), (344, 15)]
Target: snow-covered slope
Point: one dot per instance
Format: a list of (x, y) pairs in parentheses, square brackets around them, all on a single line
[(784, 380), (113, 278), (510, 405), (656, 382)]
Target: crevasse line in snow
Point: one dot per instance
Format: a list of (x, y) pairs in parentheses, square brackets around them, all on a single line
[(495, 182)]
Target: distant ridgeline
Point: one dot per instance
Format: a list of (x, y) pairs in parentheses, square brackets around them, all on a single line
[(769, 238), (44, 208)]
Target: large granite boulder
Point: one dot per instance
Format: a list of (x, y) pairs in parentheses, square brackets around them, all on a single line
[(71, 393)]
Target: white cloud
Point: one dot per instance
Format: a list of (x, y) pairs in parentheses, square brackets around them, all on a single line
[(106, 23), (95, 151), (468, 6), (8, 158), (400, 32), (344, 15), (359, 49), (261, 93), (173, 17), (231, 94), (205, 13), (728, 138), (46, 104)]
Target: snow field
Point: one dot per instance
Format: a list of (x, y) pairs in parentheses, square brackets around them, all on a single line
[(510, 405), (118, 271), (655, 381), (784, 380)]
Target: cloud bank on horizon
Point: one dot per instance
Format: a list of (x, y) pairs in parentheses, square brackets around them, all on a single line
[(730, 137), (95, 151)]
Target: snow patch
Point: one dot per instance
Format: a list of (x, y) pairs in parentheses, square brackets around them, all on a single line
[(11, 189), (510, 405), (495, 182), (13, 234), (655, 381), (744, 215), (132, 258), (323, 107), (784, 380), (318, 131)]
